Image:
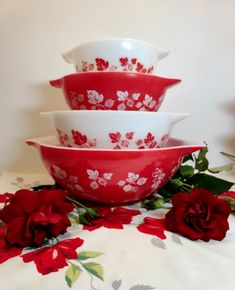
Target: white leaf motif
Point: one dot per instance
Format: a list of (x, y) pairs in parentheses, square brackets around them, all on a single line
[(121, 182), (109, 103), (135, 96), (132, 177), (128, 187), (121, 107), (107, 175), (141, 181), (122, 95), (94, 185), (92, 174), (94, 97)]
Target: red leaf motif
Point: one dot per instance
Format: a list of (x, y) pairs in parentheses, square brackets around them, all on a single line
[(123, 61), (153, 145), (129, 135), (52, 258), (115, 137), (78, 138), (139, 67), (101, 64), (133, 60), (139, 142), (149, 138)]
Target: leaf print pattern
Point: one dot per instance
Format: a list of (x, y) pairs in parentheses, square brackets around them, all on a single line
[(120, 142), (132, 182), (82, 141), (97, 180), (125, 65), (158, 177)]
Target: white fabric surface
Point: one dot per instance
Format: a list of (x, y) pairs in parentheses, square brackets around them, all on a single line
[(131, 260)]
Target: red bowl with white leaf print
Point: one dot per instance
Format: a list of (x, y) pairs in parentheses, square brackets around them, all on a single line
[(114, 91), (116, 54), (110, 176), (113, 129)]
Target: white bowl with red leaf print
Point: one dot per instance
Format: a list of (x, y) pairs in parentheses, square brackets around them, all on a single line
[(114, 91), (113, 129), (115, 54), (110, 176)]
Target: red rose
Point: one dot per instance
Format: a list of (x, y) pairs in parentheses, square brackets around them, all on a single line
[(7, 252), (52, 258), (31, 217), (198, 215)]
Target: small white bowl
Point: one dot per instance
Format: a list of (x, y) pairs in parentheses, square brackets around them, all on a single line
[(115, 54), (113, 129)]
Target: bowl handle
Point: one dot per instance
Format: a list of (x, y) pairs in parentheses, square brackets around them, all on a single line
[(56, 83)]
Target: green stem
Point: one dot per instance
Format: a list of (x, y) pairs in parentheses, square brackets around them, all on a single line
[(75, 202), (228, 154)]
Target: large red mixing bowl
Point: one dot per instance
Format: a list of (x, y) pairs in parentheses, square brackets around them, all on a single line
[(114, 90), (110, 176)]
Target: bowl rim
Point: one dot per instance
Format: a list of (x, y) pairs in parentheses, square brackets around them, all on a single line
[(116, 112), (115, 39), (119, 73), (42, 142)]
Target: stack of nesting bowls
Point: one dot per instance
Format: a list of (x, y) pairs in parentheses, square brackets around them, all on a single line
[(113, 146)]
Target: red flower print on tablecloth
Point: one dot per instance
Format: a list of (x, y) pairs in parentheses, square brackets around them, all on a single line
[(52, 258), (112, 218), (120, 142), (82, 140), (153, 226), (132, 182), (6, 251)]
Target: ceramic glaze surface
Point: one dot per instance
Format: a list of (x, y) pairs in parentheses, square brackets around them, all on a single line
[(114, 91), (111, 176), (114, 129), (115, 54)]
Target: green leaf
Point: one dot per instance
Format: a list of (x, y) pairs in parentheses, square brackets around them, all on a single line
[(154, 203), (231, 156), (176, 182), (202, 165), (210, 182), (186, 170), (187, 158), (88, 254), (201, 162), (227, 168), (92, 212), (95, 269), (202, 153), (72, 274)]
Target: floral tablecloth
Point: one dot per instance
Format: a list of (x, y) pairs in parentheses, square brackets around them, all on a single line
[(119, 254)]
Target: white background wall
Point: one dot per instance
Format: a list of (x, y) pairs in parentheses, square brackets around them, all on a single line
[(33, 34)]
